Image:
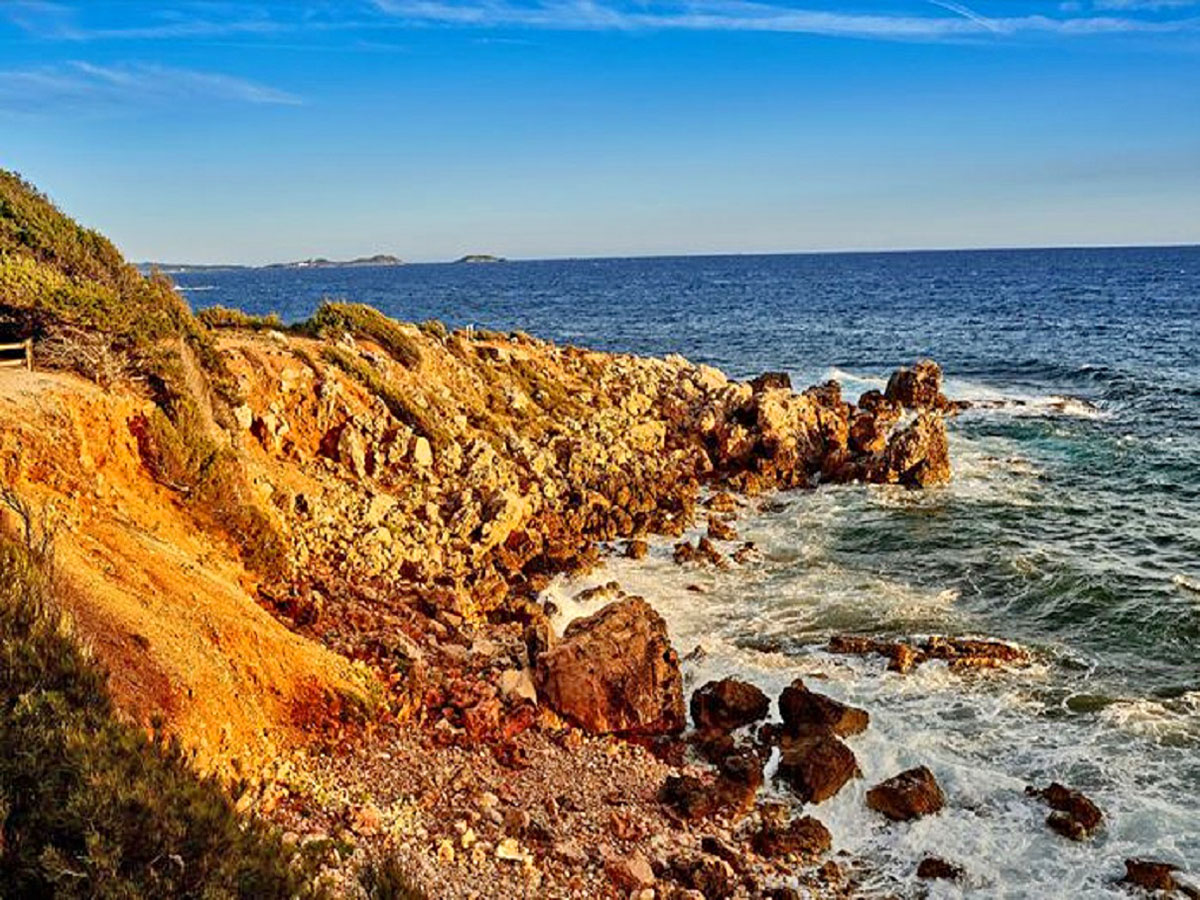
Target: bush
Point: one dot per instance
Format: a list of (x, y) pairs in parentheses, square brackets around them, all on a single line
[(364, 321), (224, 317), (89, 806)]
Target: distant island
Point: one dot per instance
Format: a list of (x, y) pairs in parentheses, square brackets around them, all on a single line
[(480, 258), (379, 259), (320, 262)]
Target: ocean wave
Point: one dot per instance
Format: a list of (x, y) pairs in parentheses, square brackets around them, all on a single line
[(1188, 584), (985, 398)]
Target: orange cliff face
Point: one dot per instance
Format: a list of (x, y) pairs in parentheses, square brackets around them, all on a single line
[(167, 608)]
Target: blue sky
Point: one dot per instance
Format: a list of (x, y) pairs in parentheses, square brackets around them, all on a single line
[(248, 132)]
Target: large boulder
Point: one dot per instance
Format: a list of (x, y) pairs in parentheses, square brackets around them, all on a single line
[(909, 795), (804, 710), (816, 766), (728, 704), (917, 388), (615, 672)]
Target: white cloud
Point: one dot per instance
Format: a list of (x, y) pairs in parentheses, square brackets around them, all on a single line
[(83, 85), (958, 21)]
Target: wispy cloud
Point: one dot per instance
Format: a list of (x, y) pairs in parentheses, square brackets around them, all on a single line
[(957, 20), (81, 85), (917, 20)]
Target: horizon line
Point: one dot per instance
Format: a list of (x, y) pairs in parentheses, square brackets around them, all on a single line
[(695, 254)]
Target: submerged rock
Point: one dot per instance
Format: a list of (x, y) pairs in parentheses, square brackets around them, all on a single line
[(615, 672), (909, 795)]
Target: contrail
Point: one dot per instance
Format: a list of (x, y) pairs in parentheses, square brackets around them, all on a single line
[(966, 13)]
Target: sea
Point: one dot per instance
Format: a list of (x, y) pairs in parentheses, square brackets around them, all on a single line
[(1071, 526)]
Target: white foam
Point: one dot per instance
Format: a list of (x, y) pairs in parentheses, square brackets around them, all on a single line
[(986, 735)]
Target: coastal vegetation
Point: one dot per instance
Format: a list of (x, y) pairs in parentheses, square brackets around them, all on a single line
[(91, 806)]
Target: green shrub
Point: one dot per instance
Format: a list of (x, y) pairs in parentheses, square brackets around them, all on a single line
[(434, 329), (364, 321), (89, 806), (224, 317)]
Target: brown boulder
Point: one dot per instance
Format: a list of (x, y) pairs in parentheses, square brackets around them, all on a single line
[(816, 766), (720, 530), (1074, 816), (917, 388), (728, 704), (615, 672), (806, 838), (803, 710), (909, 795), (1151, 874)]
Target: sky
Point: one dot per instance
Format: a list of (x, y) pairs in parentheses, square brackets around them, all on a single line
[(234, 131)]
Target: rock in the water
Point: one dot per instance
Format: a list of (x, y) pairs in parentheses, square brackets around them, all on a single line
[(932, 867), (1074, 816), (909, 795), (806, 838), (1150, 874), (917, 388), (720, 530), (728, 704), (816, 766), (919, 456), (803, 710), (637, 549), (615, 672)]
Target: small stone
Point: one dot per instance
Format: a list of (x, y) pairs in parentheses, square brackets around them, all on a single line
[(805, 838), (630, 873), (510, 851), (637, 549), (445, 852), (422, 453)]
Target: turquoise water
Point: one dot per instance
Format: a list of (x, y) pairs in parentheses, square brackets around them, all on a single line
[(1072, 526)]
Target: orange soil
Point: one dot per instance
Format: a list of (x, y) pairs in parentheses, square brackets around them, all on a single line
[(168, 608)]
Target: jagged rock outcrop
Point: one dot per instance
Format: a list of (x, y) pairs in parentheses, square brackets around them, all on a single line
[(615, 672)]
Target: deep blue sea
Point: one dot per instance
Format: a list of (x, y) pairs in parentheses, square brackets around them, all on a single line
[(1072, 525)]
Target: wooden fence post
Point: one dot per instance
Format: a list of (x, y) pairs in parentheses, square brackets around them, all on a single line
[(28, 354)]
